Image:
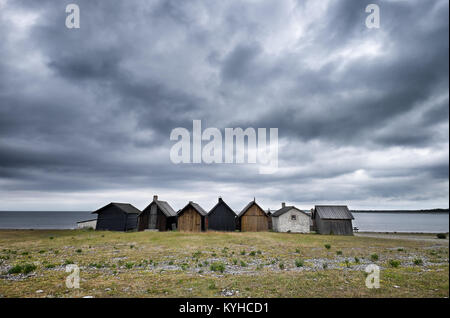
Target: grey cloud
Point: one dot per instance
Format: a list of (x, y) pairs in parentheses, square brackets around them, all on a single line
[(91, 110)]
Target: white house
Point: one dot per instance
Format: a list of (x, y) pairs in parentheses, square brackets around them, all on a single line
[(290, 219)]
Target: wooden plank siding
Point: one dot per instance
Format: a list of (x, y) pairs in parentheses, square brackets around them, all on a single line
[(254, 220), (221, 217), (190, 221)]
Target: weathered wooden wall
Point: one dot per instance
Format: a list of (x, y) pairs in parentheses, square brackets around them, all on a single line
[(114, 219), (190, 221), (159, 222), (254, 220), (336, 227), (222, 219)]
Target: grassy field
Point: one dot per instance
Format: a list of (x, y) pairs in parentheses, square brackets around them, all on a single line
[(215, 264)]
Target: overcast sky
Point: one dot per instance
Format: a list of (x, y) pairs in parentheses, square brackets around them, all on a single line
[(86, 114)]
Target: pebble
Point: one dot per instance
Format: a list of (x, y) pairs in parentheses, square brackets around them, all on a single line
[(88, 296), (39, 291), (395, 286)]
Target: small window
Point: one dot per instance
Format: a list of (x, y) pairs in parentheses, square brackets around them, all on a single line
[(293, 217)]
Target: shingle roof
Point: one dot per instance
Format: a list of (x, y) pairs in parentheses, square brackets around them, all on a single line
[(334, 212), (197, 207), (248, 207), (125, 207), (286, 209), (166, 208)]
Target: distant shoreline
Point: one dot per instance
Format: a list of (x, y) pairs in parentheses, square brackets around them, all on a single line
[(403, 211)]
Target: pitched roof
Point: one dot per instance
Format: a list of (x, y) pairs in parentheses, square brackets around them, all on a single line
[(196, 207), (223, 202), (164, 206), (125, 207), (248, 207), (286, 209), (334, 212)]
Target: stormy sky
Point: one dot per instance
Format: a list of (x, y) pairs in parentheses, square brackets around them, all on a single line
[(86, 114)]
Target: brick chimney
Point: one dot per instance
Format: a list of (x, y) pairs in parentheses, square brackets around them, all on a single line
[(283, 204), (155, 197)]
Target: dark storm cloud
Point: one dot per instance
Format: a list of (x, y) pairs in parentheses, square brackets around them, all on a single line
[(362, 113)]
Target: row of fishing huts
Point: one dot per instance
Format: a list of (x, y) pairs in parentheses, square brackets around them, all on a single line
[(159, 215)]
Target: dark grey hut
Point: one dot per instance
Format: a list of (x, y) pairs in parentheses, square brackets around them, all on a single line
[(221, 217), (332, 219), (158, 215), (117, 217), (192, 218)]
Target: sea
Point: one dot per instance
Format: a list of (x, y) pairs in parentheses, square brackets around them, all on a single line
[(365, 222)]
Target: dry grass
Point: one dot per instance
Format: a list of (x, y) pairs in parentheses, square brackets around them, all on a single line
[(174, 264)]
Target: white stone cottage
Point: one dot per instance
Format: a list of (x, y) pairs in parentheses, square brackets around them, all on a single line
[(290, 219)]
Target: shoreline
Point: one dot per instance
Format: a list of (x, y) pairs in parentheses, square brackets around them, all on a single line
[(359, 232)]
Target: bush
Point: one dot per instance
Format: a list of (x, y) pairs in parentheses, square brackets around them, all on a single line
[(281, 266), (78, 250), (235, 261), (325, 265), (252, 253), (394, 263), (242, 252), (374, 257), (299, 262), (356, 260), (28, 268), (184, 266), (418, 261), (217, 267), (16, 269), (68, 261), (327, 246), (441, 236), (297, 251), (338, 252), (50, 266), (243, 264), (129, 265)]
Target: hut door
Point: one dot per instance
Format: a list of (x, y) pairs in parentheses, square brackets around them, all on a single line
[(152, 218)]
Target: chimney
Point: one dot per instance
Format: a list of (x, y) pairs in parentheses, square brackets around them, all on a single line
[(155, 197), (283, 204), (220, 199), (190, 202)]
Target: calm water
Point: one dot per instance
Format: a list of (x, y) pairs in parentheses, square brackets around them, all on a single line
[(42, 220), (401, 222), (371, 222)]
